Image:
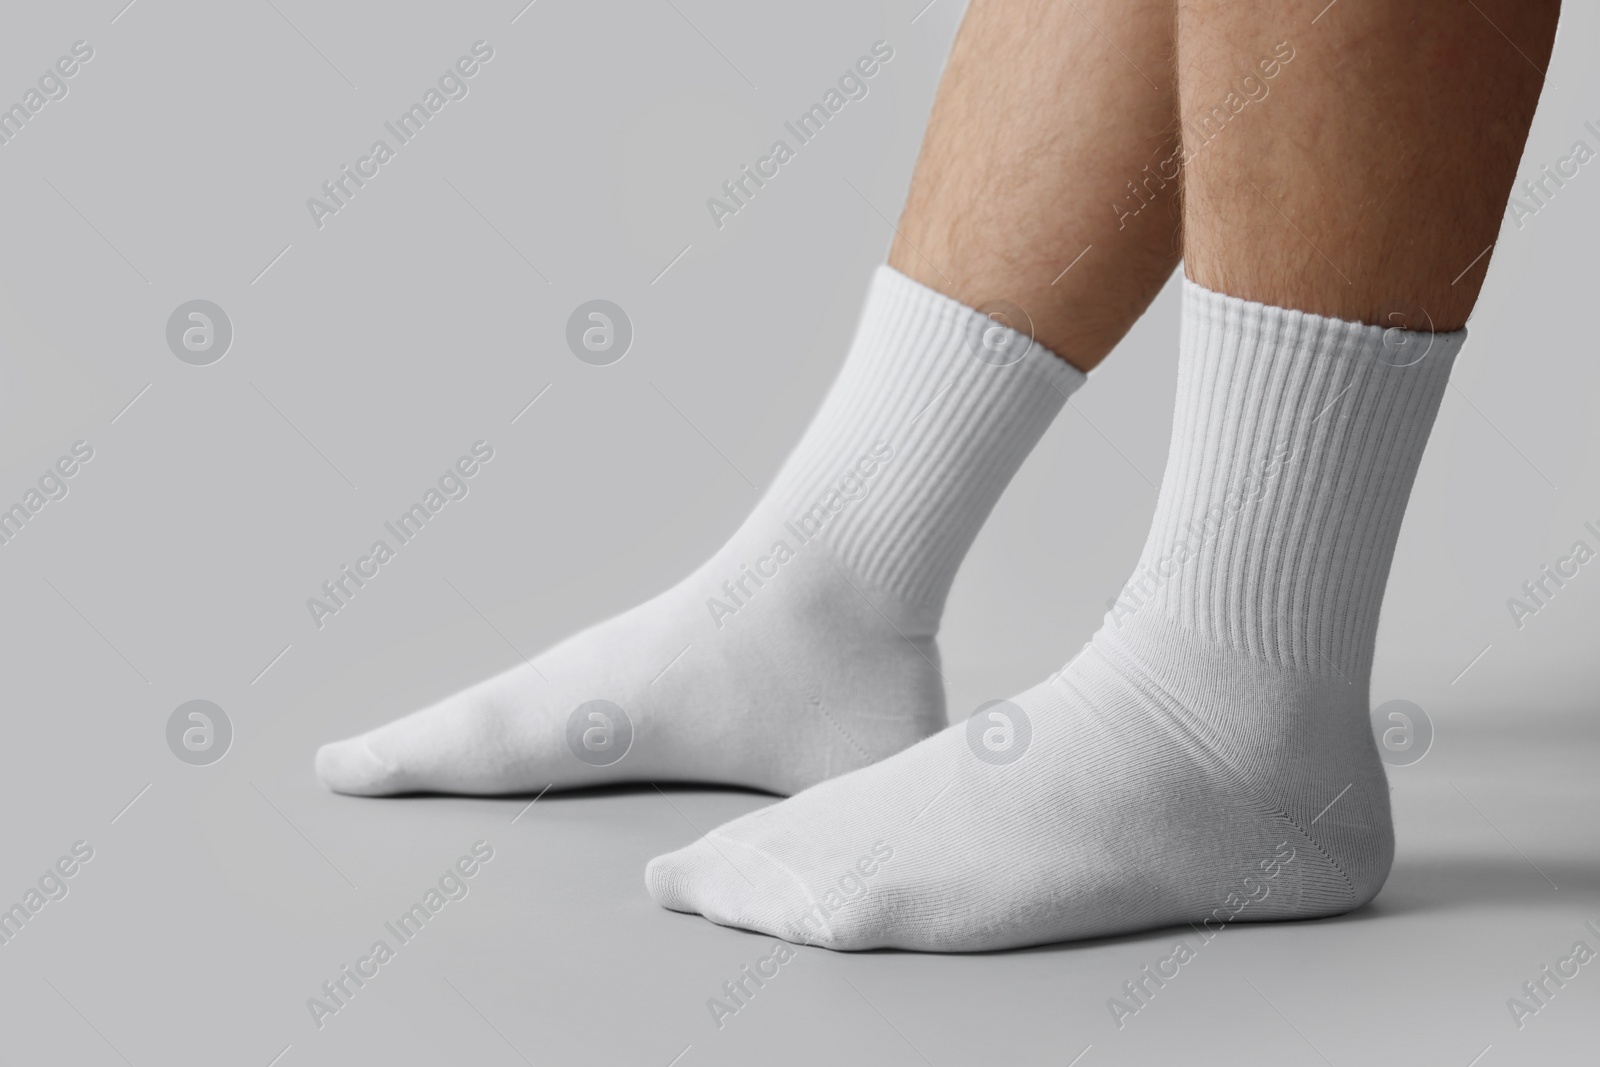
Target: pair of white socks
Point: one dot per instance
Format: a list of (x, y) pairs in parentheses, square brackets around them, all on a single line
[(1209, 749)]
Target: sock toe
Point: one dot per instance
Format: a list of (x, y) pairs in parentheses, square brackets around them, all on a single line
[(673, 880), (351, 767), (733, 884)]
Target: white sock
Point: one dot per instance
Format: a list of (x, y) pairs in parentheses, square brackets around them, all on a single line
[(1207, 758), (805, 647)]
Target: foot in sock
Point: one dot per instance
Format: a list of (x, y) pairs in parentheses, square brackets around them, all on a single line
[(804, 648), (1208, 757)]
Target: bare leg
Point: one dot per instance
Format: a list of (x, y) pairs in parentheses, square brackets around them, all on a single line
[(1048, 110), (1379, 166)]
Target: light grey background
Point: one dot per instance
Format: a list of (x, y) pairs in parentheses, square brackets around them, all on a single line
[(424, 317)]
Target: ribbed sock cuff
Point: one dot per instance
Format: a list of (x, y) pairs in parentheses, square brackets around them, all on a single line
[(942, 405), (1295, 442)]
